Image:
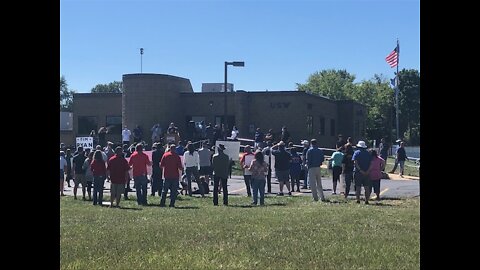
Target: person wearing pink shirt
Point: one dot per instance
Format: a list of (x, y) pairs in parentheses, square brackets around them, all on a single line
[(377, 165)]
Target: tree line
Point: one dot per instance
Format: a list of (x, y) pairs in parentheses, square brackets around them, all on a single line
[(379, 97)]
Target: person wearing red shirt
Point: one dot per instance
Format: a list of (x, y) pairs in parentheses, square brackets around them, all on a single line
[(171, 165), (118, 173), (139, 162), (99, 172)]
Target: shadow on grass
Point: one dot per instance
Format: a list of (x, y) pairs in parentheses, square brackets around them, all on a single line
[(380, 204), (129, 208), (187, 207), (335, 201), (392, 199), (275, 204), (242, 205)]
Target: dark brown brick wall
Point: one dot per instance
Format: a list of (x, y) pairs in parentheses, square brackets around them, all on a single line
[(157, 98), (152, 98), (99, 105)]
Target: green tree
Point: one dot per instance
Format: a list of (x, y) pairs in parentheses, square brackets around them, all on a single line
[(113, 87), (66, 95), (409, 105), (331, 83), (377, 95)]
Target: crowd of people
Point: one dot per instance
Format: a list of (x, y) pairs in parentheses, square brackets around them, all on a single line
[(352, 163)]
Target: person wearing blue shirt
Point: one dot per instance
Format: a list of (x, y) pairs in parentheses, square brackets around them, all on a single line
[(362, 160), (315, 159)]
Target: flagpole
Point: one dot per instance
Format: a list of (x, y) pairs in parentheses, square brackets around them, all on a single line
[(397, 83)]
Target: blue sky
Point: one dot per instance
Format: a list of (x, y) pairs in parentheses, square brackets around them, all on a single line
[(281, 42)]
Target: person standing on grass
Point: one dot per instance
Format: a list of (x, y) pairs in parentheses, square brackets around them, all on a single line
[(282, 166), (396, 159), (63, 169), (205, 157), (383, 150), (68, 172), (258, 167), (315, 159), (336, 158), (99, 171), (118, 173), (377, 165), (306, 146), (401, 157), (157, 181), (246, 159), (191, 161), (295, 167), (171, 165), (347, 168), (362, 159), (267, 152), (220, 163), (88, 174), (126, 154), (78, 161), (139, 162)]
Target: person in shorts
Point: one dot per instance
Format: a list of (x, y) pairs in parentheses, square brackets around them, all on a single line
[(117, 170), (282, 166)]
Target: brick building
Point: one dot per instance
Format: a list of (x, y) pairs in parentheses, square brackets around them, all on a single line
[(148, 99)]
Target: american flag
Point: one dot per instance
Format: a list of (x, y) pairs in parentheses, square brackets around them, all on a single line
[(392, 58)]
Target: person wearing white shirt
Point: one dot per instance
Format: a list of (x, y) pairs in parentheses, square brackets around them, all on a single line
[(126, 135), (191, 163), (234, 133)]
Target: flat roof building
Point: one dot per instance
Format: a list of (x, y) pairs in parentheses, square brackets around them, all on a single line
[(148, 99)]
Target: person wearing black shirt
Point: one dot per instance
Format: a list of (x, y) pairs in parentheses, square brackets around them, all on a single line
[(157, 182), (340, 142)]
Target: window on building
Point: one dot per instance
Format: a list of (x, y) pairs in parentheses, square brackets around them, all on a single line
[(322, 126), (86, 124), (332, 127), (114, 124), (309, 106), (309, 124)]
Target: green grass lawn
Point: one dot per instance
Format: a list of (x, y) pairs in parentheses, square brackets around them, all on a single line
[(287, 233)]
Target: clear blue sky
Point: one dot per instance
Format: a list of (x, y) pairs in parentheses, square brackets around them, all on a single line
[(281, 42)]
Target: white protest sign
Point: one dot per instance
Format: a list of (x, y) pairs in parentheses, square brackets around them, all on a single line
[(85, 142), (232, 149)]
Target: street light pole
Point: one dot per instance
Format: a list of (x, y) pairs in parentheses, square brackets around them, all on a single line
[(235, 64)]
